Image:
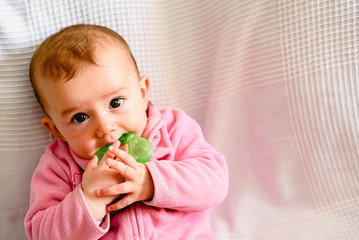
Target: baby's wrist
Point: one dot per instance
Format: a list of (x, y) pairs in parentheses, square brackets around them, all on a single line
[(98, 209), (97, 206), (149, 193)]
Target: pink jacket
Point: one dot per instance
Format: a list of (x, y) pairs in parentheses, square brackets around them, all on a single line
[(189, 175)]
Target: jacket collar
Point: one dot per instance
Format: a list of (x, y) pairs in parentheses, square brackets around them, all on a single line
[(154, 122)]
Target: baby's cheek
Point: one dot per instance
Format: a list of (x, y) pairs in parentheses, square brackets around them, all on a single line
[(138, 123)]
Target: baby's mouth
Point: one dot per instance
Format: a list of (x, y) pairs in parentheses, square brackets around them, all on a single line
[(108, 140), (101, 151)]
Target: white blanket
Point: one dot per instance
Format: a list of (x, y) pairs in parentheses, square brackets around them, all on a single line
[(274, 84)]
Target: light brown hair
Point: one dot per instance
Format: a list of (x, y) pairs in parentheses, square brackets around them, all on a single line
[(64, 53)]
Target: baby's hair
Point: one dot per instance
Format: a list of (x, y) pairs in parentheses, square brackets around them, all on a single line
[(64, 53)]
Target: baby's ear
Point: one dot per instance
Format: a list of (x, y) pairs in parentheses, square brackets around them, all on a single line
[(145, 87), (50, 126)]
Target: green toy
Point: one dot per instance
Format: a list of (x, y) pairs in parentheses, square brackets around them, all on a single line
[(138, 147)]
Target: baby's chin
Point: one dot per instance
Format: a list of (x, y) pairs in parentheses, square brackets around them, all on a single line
[(86, 156)]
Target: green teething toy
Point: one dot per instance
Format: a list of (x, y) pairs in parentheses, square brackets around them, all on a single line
[(138, 147)]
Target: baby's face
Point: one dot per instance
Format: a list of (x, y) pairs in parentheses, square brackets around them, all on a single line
[(98, 105)]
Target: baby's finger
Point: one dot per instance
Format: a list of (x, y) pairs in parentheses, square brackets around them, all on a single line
[(102, 162), (124, 202), (123, 156), (126, 171), (116, 144), (109, 154), (118, 189)]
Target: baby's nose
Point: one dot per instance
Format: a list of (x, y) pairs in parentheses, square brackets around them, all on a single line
[(105, 126)]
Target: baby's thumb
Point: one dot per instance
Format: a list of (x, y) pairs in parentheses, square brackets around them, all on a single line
[(93, 162)]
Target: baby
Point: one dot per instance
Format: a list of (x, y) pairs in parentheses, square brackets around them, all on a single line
[(88, 84)]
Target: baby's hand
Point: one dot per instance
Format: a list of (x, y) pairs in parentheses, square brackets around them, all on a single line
[(96, 177), (138, 184)]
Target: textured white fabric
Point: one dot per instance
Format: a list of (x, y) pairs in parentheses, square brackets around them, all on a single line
[(274, 85)]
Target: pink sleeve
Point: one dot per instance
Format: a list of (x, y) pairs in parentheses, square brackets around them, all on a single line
[(56, 211), (196, 178)]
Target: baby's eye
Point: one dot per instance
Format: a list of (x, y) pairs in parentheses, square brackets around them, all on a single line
[(79, 118), (116, 102)]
